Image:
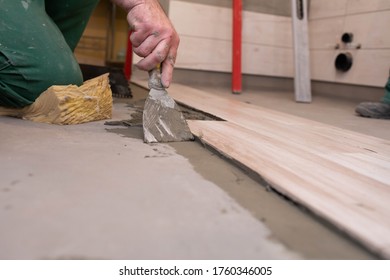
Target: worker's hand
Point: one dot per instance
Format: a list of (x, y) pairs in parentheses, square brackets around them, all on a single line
[(153, 36)]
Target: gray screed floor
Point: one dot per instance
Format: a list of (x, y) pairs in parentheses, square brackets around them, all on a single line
[(94, 191)]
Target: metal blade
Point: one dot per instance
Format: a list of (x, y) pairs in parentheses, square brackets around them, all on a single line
[(163, 120)]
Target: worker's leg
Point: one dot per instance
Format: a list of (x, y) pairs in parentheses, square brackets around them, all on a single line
[(34, 54), (377, 110), (386, 98), (71, 17)]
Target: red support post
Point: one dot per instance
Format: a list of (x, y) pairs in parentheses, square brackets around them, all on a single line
[(237, 45), (129, 58)]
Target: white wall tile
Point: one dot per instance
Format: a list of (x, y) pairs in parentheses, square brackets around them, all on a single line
[(256, 59), (216, 23), (199, 20), (370, 67), (327, 8), (266, 30), (363, 6), (372, 30), (206, 39), (206, 34), (369, 21), (325, 33)]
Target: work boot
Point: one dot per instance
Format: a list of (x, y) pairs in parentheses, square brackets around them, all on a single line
[(376, 110)]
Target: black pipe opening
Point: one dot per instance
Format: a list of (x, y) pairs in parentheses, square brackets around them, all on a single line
[(347, 37), (344, 62)]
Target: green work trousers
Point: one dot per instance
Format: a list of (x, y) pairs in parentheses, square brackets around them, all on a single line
[(386, 99), (37, 40)]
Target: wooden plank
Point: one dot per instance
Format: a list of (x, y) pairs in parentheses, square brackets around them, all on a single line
[(302, 80), (341, 175), (301, 133), (353, 202), (253, 117)]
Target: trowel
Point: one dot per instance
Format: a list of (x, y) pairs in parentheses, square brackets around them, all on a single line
[(162, 119)]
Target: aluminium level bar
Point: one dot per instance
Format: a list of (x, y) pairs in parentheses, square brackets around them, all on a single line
[(302, 80)]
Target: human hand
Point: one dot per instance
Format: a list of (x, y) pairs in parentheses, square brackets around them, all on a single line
[(153, 36)]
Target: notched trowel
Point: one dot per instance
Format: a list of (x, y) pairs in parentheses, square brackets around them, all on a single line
[(162, 119)]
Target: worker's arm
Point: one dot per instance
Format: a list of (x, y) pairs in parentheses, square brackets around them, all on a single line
[(153, 36)]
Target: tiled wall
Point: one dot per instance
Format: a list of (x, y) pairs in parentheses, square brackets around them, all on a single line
[(369, 21), (206, 39), (206, 34), (273, 7)]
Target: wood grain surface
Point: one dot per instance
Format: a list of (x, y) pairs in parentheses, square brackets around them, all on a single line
[(340, 175)]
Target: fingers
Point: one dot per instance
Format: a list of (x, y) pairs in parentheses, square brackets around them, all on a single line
[(137, 37), (167, 68), (153, 38), (164, 54), (149, 44), (140, 30), (155, 52), (152, 60)]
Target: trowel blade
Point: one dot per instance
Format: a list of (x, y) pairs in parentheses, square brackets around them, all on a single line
[(162, 119)]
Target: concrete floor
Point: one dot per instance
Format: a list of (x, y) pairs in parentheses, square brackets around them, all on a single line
[(92, 191)]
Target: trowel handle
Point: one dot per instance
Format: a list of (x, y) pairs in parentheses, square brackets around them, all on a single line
[(155, 78)]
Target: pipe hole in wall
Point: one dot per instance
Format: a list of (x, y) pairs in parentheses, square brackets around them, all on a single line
[(344, 62), (347, 37)]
